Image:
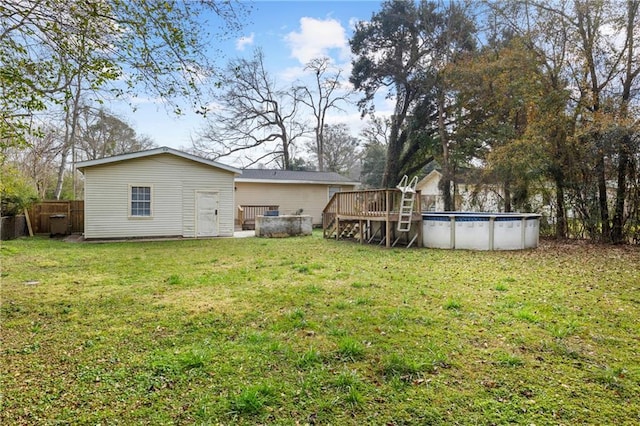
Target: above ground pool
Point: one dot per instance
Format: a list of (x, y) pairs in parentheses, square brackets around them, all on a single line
[(480, 231)]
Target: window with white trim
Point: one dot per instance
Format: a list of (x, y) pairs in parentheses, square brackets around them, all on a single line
[(140, 201)]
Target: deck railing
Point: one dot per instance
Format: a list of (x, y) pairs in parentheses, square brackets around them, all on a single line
[(360, 204), (364, 205), (372, 203), (247, 214)]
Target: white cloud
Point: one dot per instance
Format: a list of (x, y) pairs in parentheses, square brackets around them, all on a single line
[(616, 37), (292, 74), (317, 38), (245, 41), (350, 118), (353, 22), (135, 99), (214, 107)]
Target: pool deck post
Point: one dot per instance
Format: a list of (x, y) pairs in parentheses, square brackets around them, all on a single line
[(492, 224), (452, 240)]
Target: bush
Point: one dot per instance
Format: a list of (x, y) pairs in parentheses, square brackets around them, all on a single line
[(16, 192)]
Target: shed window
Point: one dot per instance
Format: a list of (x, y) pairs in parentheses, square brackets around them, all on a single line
[(140, 201)]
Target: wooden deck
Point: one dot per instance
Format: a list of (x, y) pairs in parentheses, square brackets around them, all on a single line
[(370, 216), (247, 215)]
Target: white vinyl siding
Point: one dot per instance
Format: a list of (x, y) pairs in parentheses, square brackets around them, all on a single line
[(173, 181), (290, 197)]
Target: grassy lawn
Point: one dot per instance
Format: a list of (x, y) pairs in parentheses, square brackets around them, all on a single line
[(305, 330)]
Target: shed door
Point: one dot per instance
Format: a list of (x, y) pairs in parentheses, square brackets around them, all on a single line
[(206, 214)]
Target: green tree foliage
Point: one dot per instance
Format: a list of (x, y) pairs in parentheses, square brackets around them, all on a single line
[(374, 152), (301, 165), (17, 194), (48, 46), (102, 134), (494, 87), (548, 104), (340, 149), (373, 161), (37, 162), (589, 50), (401, 52)]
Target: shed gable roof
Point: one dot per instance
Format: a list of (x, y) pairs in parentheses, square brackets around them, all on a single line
[(156, 151), (291, 176)]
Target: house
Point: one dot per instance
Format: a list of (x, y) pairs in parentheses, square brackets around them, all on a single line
[(160, 192), (468, 193), (291, 191)]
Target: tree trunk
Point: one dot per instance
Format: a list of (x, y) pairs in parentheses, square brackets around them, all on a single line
[(561, 213), (617, 230), (394, 149), (445, 186), (603, 204), (507, 197), (446, 168), (320, 148), (71, 124), (63, 165), (286, 158), (558, 171)]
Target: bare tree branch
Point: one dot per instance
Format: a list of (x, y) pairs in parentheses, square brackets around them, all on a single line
[(254, 115), (326, 96)]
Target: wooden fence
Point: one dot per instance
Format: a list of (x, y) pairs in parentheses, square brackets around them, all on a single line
[(40, 215)]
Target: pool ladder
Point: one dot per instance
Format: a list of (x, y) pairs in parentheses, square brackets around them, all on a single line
[(408, 189)]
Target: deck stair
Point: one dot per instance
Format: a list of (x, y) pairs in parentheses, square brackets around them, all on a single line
[(331, 228), (375, 215), (346, 229), (350, 230)]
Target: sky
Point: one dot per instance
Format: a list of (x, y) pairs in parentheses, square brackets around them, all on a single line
[(290, 33)]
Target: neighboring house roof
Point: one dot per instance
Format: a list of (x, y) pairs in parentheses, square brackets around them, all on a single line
[(433, 176), (156, 151), (463, 176), (290, 176)]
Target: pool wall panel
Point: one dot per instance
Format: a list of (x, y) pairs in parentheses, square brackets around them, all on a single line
[(472, 235), (437, 234), (480, 231)]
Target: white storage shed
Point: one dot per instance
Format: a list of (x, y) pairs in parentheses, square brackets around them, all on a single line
[(160, 192)]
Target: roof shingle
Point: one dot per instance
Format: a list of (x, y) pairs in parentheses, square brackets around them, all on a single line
[(293, 176)]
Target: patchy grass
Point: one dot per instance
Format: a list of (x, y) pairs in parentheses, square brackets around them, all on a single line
[(305, 330)]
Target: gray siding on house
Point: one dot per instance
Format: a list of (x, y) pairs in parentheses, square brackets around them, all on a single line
[(174, 181)]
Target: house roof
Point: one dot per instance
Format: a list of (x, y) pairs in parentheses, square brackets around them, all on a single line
[(433, 174), (151, 152), (290, 176), (463, 175)]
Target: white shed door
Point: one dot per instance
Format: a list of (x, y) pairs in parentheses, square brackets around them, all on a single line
[(206, 214)]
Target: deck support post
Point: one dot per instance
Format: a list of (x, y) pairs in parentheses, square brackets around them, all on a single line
[(419, 210), (387, 218), (372, 213)]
